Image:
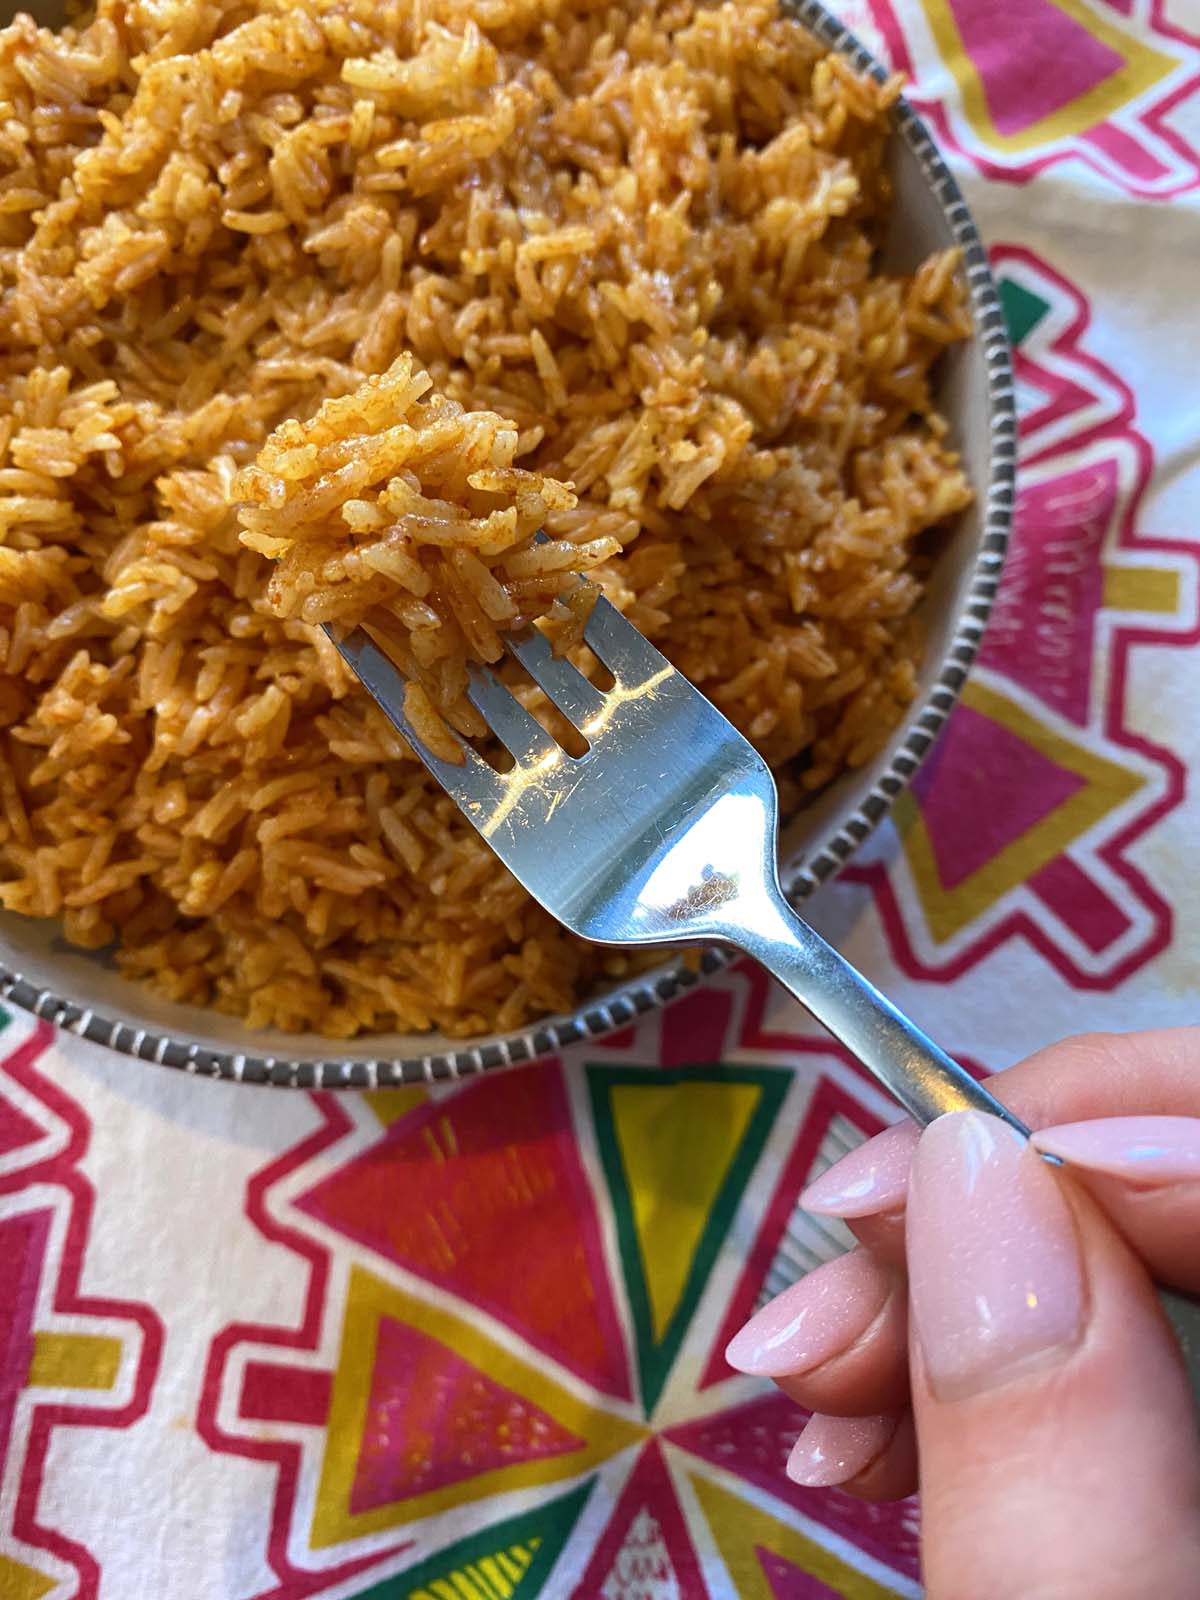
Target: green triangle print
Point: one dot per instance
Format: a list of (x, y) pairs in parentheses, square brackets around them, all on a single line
[(677, 1149), (1023, 310), (508, 1561)]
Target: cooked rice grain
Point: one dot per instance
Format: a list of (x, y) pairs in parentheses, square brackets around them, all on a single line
[(398, 509), (643, 234)]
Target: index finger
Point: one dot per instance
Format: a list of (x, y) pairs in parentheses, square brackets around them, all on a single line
[(1079, 1079)]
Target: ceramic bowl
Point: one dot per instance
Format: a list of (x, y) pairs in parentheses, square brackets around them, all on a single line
[(41, 973)]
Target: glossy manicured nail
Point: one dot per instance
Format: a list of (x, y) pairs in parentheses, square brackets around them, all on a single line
[(873, 1177), (833, 1450), (1148, 1150), (995, 1279), (814, 1320)]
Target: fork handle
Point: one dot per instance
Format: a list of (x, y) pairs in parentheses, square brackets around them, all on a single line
[(914, 1070)]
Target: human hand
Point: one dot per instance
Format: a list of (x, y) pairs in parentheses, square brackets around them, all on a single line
[(1038, 1394)]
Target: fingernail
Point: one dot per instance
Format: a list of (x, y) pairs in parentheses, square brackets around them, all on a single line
[(873, 1177), (1150, 1150), (833, 1450), (815, 1319), (995, 1279)]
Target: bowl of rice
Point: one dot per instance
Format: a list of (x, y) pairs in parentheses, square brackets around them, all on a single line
[(317, 312)]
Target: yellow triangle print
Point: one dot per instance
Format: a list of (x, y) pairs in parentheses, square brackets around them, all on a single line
[(389, 1105), (428, 1412), (19, 1582), (495, 1577), (677, 1143), (742, 1531)]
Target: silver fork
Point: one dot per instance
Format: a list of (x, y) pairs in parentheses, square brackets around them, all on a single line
[(664, 832)]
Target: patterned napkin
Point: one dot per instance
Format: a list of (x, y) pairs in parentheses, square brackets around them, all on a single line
[(466, 1345)]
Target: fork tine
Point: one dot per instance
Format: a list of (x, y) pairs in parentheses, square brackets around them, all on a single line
[(473, 784), (627, 654), (578, 700), (508, 719)]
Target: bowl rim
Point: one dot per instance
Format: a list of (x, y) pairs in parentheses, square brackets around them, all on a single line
[(648, 991)]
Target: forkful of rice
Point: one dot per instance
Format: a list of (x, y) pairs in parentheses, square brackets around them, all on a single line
[(453, 584)]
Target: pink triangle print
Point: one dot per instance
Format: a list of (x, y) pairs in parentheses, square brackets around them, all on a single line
[(983, 788), (699, 1023), (645, 1552), (753, 1441), (434, 1419), (449, 1186), (1059, 60), (1101, 84), (1042, 634)]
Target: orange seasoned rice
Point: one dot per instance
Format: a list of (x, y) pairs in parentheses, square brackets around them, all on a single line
[(407, 514), (629, 248)]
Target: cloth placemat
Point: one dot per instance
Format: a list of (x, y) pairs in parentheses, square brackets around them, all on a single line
[(466, 1344)]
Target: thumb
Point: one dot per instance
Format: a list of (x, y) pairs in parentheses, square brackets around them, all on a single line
[(1057, 1441)]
